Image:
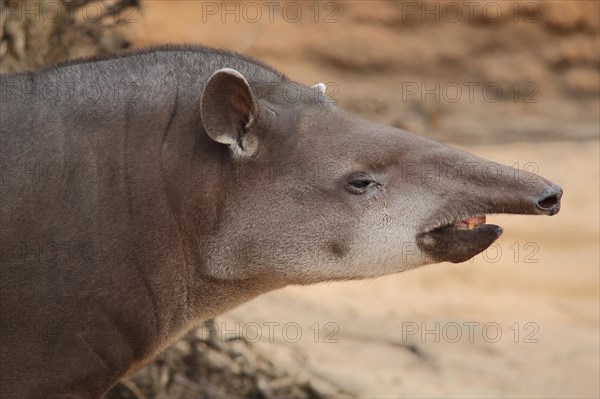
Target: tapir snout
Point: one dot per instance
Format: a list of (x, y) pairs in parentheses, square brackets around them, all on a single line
[(451, 191), (457, 229)]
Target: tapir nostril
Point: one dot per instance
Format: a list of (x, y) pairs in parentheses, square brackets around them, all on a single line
[(549, 202)]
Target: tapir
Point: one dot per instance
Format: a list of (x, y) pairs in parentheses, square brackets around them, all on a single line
[(145, 192)]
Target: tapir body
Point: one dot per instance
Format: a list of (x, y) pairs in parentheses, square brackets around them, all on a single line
[(144, 193)]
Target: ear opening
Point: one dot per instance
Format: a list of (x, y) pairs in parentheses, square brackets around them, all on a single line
[(228, 110)]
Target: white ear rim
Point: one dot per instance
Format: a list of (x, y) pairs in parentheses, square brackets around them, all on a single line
[(321, 87), (230, 71)]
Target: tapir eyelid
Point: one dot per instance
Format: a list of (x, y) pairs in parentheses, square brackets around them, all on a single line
[(360, 183)]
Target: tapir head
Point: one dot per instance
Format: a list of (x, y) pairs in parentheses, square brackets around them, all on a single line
[(314, 194)]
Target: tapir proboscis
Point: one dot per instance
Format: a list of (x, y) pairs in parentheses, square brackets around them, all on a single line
[(146, 192)]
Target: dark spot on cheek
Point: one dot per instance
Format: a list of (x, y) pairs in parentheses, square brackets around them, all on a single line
[(338, 249)]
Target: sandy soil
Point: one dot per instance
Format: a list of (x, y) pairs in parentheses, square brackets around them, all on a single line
[(528, 311)]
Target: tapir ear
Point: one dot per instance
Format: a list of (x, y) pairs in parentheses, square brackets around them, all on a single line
[(228, 109)]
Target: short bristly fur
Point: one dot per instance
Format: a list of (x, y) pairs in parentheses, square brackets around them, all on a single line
[(146, 192)]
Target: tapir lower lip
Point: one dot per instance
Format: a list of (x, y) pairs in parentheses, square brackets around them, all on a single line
[(455, 245)]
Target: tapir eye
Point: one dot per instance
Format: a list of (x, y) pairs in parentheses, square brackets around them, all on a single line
[(360, 184)]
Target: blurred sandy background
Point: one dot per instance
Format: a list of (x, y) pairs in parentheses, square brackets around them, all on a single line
[(401, 63)]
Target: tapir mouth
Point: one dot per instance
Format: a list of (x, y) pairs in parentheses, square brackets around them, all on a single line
[(459, 239)]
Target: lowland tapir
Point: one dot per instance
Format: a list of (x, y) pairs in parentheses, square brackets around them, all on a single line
[(146, 192)]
